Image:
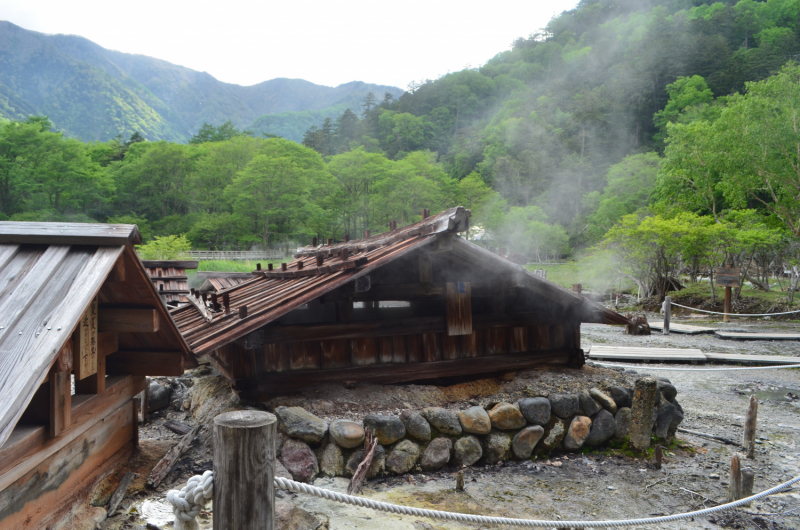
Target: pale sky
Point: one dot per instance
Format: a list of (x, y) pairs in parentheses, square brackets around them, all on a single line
[(325, 42)]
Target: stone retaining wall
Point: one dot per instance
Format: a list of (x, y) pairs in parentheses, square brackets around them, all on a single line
[(432, 438)]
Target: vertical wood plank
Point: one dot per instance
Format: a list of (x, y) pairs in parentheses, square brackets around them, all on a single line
[(414, 348), (557, 337), (342, 355), (344, 310), (481, 343), (519, 339), (328, 359), (399, 349), (313, 355), (458, 304), (270, 361), (297, 356), (364, 351), (497, 341), (135, 403), (85, 346), (387, 350), (450, 347), (430, 347), (469, 345), (60, 402), (539, 338)]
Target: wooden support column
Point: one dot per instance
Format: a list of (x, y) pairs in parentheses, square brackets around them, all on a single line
[(727, 317), (61, 392), (458, 298), (244, 470)]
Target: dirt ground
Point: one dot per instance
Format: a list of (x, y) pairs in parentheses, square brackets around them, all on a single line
[(599, 485)]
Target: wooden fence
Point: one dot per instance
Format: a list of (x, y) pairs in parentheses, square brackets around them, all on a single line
[(235, 255)]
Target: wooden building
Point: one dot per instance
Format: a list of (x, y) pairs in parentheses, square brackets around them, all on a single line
[(415, 303), (170, 279), (76, 306)]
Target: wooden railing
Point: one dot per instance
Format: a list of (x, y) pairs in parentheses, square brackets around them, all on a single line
[(235, 255)]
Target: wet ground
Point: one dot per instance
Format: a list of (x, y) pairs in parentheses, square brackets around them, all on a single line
[(601, 485)]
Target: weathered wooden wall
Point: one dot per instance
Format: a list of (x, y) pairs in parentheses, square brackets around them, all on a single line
[(43, 477)]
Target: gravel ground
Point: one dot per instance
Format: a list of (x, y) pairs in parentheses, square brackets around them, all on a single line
[(601, 485)]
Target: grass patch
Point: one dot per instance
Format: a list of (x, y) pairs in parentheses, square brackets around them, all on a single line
[(233, 266), (596, 273)]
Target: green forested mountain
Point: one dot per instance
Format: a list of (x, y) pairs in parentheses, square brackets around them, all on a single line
[(544, 122), (92, 93)]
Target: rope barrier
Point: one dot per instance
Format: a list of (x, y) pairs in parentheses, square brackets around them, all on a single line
[(297, 487), (188, 502), (737, 368), (736, 314)]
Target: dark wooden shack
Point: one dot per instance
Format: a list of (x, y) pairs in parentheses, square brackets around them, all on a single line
[(415, 303), (170, 279), (76, 305)]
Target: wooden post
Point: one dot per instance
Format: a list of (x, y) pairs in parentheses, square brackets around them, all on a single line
[(749, 439), (748, 477), (726, 317), (460, 481), (244, 470), (313, 241), (577, 288), (667, 307), (735, 484), (659, 456)]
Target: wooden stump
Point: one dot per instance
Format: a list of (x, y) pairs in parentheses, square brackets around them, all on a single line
[(244, 469), (749, 441), (748, 477), (735, 484)]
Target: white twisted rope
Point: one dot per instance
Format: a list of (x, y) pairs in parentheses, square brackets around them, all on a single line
[(297, 487), (188, 502), (187, 505), (736, 314)]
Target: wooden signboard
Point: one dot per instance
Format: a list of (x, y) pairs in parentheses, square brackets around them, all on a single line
[(727, 277), (85, 344), (458, 297)]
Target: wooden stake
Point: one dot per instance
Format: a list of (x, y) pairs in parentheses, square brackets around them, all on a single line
[(244, 469), (735, 485), (269, 266), (320, 260), (313, 241), (166, 464), (243, 311), (370, 444), (749, 439), (577, 288), (667, 308), (659, 456), (122, 489), (460, 481), (283, 267), (726, 317), (258, 266), (330, 241), (346, 238), (748, 477), (366, 234)]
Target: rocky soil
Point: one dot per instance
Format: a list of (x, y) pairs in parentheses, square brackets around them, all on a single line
[(591, 485)]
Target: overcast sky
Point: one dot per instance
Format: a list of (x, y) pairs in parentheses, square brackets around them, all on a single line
[(326, 42)]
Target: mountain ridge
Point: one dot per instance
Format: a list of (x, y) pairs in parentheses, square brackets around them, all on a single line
[(53, 75)]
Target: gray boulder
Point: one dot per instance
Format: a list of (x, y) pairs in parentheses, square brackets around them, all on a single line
[(577, 433), (416, 426), (535, 410), (622, 419), (437, 454), (443, 420), (468, 450), (668, 391), (387, 429), (347, 434), (159, 396), (297, 422), (525, 440), (564, 405), (622, 396), (506, 416), (475, 420), (299, 460), (603, 428), (290, 517), (403, 457), (589, 406), (377, 466), (496, 447), (331, 461), (668, 417)]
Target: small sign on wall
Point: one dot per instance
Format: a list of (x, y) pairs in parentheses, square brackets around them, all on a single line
[(727, 277)]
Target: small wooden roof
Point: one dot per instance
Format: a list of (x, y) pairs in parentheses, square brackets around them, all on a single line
[(169, 278), (49, 274)]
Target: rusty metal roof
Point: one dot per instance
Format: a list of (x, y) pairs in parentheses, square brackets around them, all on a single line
[(217, 281), (272, 294)]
